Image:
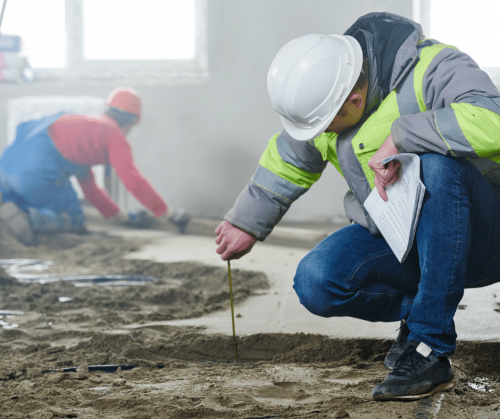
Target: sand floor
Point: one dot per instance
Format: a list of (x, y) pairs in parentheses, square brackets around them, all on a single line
[(182, 372)]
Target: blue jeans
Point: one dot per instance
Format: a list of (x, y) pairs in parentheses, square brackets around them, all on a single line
[(35, 176), (457, 246)]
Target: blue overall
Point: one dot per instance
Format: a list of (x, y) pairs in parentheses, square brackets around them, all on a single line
[(35, 176)]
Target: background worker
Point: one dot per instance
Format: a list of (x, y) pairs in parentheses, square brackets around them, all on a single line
[(353, 100), (35, 169)]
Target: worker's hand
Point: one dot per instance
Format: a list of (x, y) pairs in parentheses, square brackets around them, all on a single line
[(121, 217), (384, 174), (233, 242)]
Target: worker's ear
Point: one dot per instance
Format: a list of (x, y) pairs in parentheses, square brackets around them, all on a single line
[(356, 100)]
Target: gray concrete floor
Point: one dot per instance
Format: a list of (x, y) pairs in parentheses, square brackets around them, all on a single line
[(277, 310)]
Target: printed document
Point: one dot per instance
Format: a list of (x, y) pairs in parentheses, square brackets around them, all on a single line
[(397, 218)]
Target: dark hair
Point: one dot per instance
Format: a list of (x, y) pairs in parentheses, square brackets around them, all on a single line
[(363, 76), (122, 118), (360, 83)]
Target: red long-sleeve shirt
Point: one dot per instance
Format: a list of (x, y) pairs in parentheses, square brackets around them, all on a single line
[(88, 140)]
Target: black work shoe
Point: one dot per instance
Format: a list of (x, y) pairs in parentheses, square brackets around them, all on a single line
[(398, 346), (418, 373)]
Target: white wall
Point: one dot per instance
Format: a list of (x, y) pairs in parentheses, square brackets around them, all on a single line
[(199, 144)]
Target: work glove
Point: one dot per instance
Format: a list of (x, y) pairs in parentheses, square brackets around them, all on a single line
[(233, 243), (179, 218), (121, 217), (139, 219)]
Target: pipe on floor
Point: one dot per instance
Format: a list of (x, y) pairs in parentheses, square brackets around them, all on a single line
[(429, 408), (102, 368)]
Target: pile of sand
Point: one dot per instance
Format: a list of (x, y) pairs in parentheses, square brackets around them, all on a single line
[(183, 289)]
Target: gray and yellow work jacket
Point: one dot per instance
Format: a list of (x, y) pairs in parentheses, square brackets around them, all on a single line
[(430, 96)]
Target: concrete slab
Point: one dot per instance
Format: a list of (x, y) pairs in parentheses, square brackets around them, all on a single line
[(277, 310), (293, 234)]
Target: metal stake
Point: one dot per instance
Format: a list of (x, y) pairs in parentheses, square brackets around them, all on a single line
[(232, 310)]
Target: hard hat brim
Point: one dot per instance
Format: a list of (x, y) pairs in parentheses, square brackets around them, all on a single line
[(307, 134)]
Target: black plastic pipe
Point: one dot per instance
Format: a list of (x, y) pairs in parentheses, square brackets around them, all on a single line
[(267, 417), (103, 368)]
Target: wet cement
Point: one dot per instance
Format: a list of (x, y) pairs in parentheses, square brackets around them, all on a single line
[(182, 372)]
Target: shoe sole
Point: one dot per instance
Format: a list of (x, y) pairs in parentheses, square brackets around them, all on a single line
[(438, 389), (17, 223)]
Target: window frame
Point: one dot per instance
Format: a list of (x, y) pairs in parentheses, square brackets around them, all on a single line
[(422, 15), (79, 68)]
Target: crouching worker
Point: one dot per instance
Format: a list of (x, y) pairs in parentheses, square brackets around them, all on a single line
[(353, 100), (35, 169)]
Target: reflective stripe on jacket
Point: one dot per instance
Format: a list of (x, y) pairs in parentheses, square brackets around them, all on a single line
[(443, 104)]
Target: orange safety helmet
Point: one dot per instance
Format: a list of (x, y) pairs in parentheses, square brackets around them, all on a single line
[(125, 99)]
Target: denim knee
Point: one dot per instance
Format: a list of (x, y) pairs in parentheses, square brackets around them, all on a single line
[(319, 290), (438, 170)]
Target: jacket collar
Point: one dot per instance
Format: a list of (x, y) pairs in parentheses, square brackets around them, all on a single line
[(389, 41)]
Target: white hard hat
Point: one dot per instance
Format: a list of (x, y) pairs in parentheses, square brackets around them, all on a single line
[(309, 80)]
